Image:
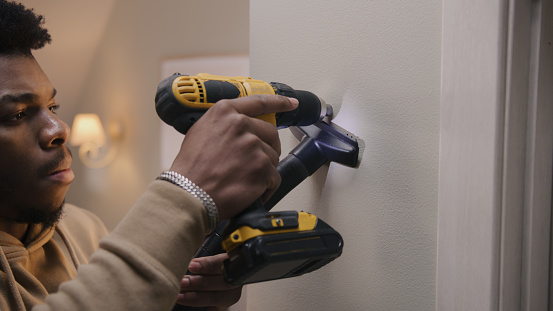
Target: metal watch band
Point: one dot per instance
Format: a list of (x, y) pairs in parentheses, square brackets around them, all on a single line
[(193, 189)]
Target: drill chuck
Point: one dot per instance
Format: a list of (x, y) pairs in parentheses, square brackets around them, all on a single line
[(181, 100), (311, 108)]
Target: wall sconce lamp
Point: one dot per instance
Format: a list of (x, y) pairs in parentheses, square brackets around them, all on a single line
[(88, 133)]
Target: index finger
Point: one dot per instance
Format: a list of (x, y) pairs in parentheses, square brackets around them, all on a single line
[(255, 105)]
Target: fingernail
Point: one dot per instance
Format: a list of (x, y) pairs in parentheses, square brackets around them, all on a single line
[(295, 102), (194, 267), (185, 282)]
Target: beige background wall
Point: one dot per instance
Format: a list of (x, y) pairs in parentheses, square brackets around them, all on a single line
[(378, 63)]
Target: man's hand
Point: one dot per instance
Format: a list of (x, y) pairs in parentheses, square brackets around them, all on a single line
[(233, 156), (206, 286)]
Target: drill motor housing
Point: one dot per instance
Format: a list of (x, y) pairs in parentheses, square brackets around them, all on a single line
[(181, 100)]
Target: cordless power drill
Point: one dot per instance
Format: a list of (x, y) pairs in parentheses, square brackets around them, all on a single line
[(181, 100), (261, 245)]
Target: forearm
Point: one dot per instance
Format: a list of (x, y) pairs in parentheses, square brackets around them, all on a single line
[(140, 264)]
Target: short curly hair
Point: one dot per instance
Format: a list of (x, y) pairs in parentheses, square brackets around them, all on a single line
[(21, 30)]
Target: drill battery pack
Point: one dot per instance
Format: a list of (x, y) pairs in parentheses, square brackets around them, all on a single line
[(270, 246)]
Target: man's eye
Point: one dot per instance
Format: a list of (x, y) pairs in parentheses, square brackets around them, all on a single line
[(54, 108), (16, 117)]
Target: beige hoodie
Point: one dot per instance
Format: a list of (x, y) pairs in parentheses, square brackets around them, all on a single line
[(49, 257), (137, 267)]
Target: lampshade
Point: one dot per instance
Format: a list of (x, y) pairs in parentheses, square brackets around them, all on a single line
[(87, 128)]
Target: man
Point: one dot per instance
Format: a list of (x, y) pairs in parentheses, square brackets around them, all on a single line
[(140, 265)]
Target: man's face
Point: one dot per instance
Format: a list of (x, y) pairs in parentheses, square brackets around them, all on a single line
[(35, 164)]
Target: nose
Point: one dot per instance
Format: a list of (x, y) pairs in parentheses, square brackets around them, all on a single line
[(54, 132)]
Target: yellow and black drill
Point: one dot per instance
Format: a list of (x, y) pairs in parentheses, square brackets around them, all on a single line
[(265, 245), (181, 100)]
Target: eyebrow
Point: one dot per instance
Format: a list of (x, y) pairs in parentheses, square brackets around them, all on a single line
[(22, 98)]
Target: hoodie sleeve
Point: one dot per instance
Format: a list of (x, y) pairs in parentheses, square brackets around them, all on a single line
[(139, 266)]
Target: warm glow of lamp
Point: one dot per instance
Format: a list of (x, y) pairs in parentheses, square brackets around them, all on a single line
[(88, 133), (87, 128)]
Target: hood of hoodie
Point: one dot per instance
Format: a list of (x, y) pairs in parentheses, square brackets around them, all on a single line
[(48, 257), (37, 236), (28, 266)]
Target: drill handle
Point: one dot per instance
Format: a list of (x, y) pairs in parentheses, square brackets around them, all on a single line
[(300, 163), (293, 171), (213, 243)]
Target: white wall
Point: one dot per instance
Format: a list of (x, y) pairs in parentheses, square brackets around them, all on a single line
[(378, 63)]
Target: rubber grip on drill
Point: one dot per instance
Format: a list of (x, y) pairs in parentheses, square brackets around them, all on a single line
[(212, 244)]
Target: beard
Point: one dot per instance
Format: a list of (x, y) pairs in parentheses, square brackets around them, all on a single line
[(25, 196), (40, 215)]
